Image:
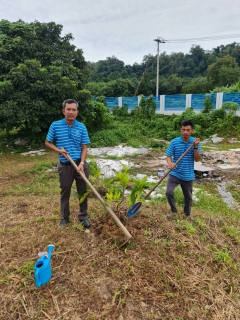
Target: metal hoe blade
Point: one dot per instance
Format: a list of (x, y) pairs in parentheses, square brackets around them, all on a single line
[(134, 209)]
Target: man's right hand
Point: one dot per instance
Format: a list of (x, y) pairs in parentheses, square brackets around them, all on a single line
[(171, 165), (63, 152)]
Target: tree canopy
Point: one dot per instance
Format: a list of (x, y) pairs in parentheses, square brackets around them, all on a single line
[(39, 69), (225, 71)]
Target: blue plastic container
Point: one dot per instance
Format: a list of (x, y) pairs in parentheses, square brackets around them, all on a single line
[(42, 268)]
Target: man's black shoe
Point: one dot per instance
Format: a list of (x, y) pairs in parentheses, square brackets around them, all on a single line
[(64, 223), (85, 223)]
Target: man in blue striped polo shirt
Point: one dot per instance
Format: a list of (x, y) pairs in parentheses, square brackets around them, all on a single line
[(70, 137), (183, 173)]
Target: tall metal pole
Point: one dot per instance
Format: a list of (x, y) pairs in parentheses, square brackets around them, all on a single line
[(157, 84), (159, 40)]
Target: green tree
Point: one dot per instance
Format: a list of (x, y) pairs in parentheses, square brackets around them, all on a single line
[(146, 108), (119, 87), (174, 83), (224, 71), (34, 98), (197, 85), (97, 116), (227, 89), (38, 70), (97, 88), (199, 58), (208, 104)]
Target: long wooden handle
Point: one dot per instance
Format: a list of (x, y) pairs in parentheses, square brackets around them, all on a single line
[(167, 172), (115, 218)]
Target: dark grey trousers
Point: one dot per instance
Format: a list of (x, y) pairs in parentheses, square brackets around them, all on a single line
[(67, 174), (186, 186)]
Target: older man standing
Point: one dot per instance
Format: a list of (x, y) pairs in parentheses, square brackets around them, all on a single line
[(71, 138)]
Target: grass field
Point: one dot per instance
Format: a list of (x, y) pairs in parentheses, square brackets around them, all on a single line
[(168, 270)]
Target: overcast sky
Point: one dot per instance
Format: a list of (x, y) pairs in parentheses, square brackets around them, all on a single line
[(126, 29)]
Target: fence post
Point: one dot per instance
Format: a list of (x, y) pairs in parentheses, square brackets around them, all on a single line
[(120, 101), (162, 103), (219, 100), (188, 100), (139, 99), (157, 100)]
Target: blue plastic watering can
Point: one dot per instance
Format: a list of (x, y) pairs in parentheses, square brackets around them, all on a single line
[(42, 268)]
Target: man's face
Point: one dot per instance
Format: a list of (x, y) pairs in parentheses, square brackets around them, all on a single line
[(70, 111), (186, 132)]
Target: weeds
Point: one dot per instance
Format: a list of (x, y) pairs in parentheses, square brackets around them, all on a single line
[(187, 227), (26, 269), (221, 255), (232, 232), (234, 190), (164, 264), (40, 219)]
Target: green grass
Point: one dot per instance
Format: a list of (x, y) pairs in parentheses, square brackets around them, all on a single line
[(178, 264), (234, 190), (232, 232), (40, 167), (227, 146)]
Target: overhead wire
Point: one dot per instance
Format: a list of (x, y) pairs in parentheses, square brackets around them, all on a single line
[(181, 40), (211, 38)]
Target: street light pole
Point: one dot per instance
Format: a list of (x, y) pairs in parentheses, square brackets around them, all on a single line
[(158, 40)]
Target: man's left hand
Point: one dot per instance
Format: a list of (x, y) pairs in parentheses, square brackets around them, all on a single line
[(196, 142), (81, 168)]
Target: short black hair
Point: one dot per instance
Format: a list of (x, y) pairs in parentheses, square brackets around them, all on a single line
[(69, 101), (187, 122)]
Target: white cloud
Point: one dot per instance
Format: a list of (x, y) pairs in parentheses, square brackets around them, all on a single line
[(127, 28)]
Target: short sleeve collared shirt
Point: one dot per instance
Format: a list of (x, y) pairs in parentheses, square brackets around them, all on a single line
[(71, 138), (185, 168)]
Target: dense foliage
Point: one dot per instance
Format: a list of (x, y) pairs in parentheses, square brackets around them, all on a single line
[(38, 70), (143, 127)]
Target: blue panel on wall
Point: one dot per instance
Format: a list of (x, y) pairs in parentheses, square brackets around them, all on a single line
[(232, 97), (112, 102), (131, 102), (156, 100), (175, 102), (214, 98), (197, 101)]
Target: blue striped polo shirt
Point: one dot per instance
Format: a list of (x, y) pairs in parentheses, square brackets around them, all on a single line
[(185, 168), (71, 138)]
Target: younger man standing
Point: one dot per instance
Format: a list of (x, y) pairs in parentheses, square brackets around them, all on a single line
[(183, 173)]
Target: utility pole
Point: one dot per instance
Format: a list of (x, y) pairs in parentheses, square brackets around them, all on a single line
[(158, 40)]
